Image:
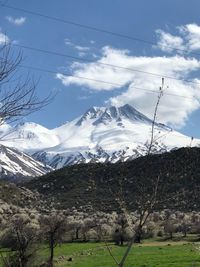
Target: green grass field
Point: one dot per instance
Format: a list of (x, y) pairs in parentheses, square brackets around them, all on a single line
[(149, 254)]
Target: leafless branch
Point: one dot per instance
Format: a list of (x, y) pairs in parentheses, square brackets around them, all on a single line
[(18, 95), (154, 117), (146, 200)]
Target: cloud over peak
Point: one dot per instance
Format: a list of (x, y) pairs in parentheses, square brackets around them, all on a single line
[(173, 110)]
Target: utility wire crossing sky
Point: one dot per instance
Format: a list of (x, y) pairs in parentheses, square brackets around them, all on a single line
[(100, 54)]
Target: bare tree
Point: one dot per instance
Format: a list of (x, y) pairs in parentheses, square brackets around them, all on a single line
[(160, 94), (18, 96), (120, 234), (53, 227), (148, 194), (170, 227), (20, 236)]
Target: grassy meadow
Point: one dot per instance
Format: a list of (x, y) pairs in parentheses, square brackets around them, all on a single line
[(149, 254)]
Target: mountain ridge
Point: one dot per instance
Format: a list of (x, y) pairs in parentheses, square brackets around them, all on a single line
[(101, 134)]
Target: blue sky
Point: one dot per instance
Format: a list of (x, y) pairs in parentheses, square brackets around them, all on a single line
[(170, 24)]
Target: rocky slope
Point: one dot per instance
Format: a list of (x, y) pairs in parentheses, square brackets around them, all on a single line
[(16, 165)]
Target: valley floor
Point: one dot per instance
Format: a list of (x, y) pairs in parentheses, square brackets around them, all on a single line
[(150, 253)]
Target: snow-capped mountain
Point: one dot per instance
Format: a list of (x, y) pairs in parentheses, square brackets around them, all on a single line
[(15, 164), (100, 135)]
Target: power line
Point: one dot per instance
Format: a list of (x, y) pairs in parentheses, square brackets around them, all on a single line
[(100, 81), (75, 23), (88, 60), (116, 84), (97, 29), (101, 63)]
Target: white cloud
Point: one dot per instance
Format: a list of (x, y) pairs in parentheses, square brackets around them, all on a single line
[(75, 46), (191, 32), (168, 42), (188, 39), (16, 21), (68, 42), (3, 38), (173, 110), (81, 48)]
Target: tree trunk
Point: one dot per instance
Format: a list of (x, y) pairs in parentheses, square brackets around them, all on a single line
[(137, 239), (77, 234), (24, 262), (22, 259), (121, 240), (171, 235), (51, 244), (138, 235)]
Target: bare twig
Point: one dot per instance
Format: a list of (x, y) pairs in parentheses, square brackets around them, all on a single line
[(154, 117), (146, 204), (18, 96)]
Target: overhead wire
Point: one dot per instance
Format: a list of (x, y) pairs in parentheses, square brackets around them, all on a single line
[(93, 28), (98, 81), (91, 61), (88, 60), (102, 63)]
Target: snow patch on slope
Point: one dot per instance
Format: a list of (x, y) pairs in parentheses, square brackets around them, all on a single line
[(15, 163), (100, 135)]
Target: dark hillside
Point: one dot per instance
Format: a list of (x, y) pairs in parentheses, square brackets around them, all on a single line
[(98, 185)]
